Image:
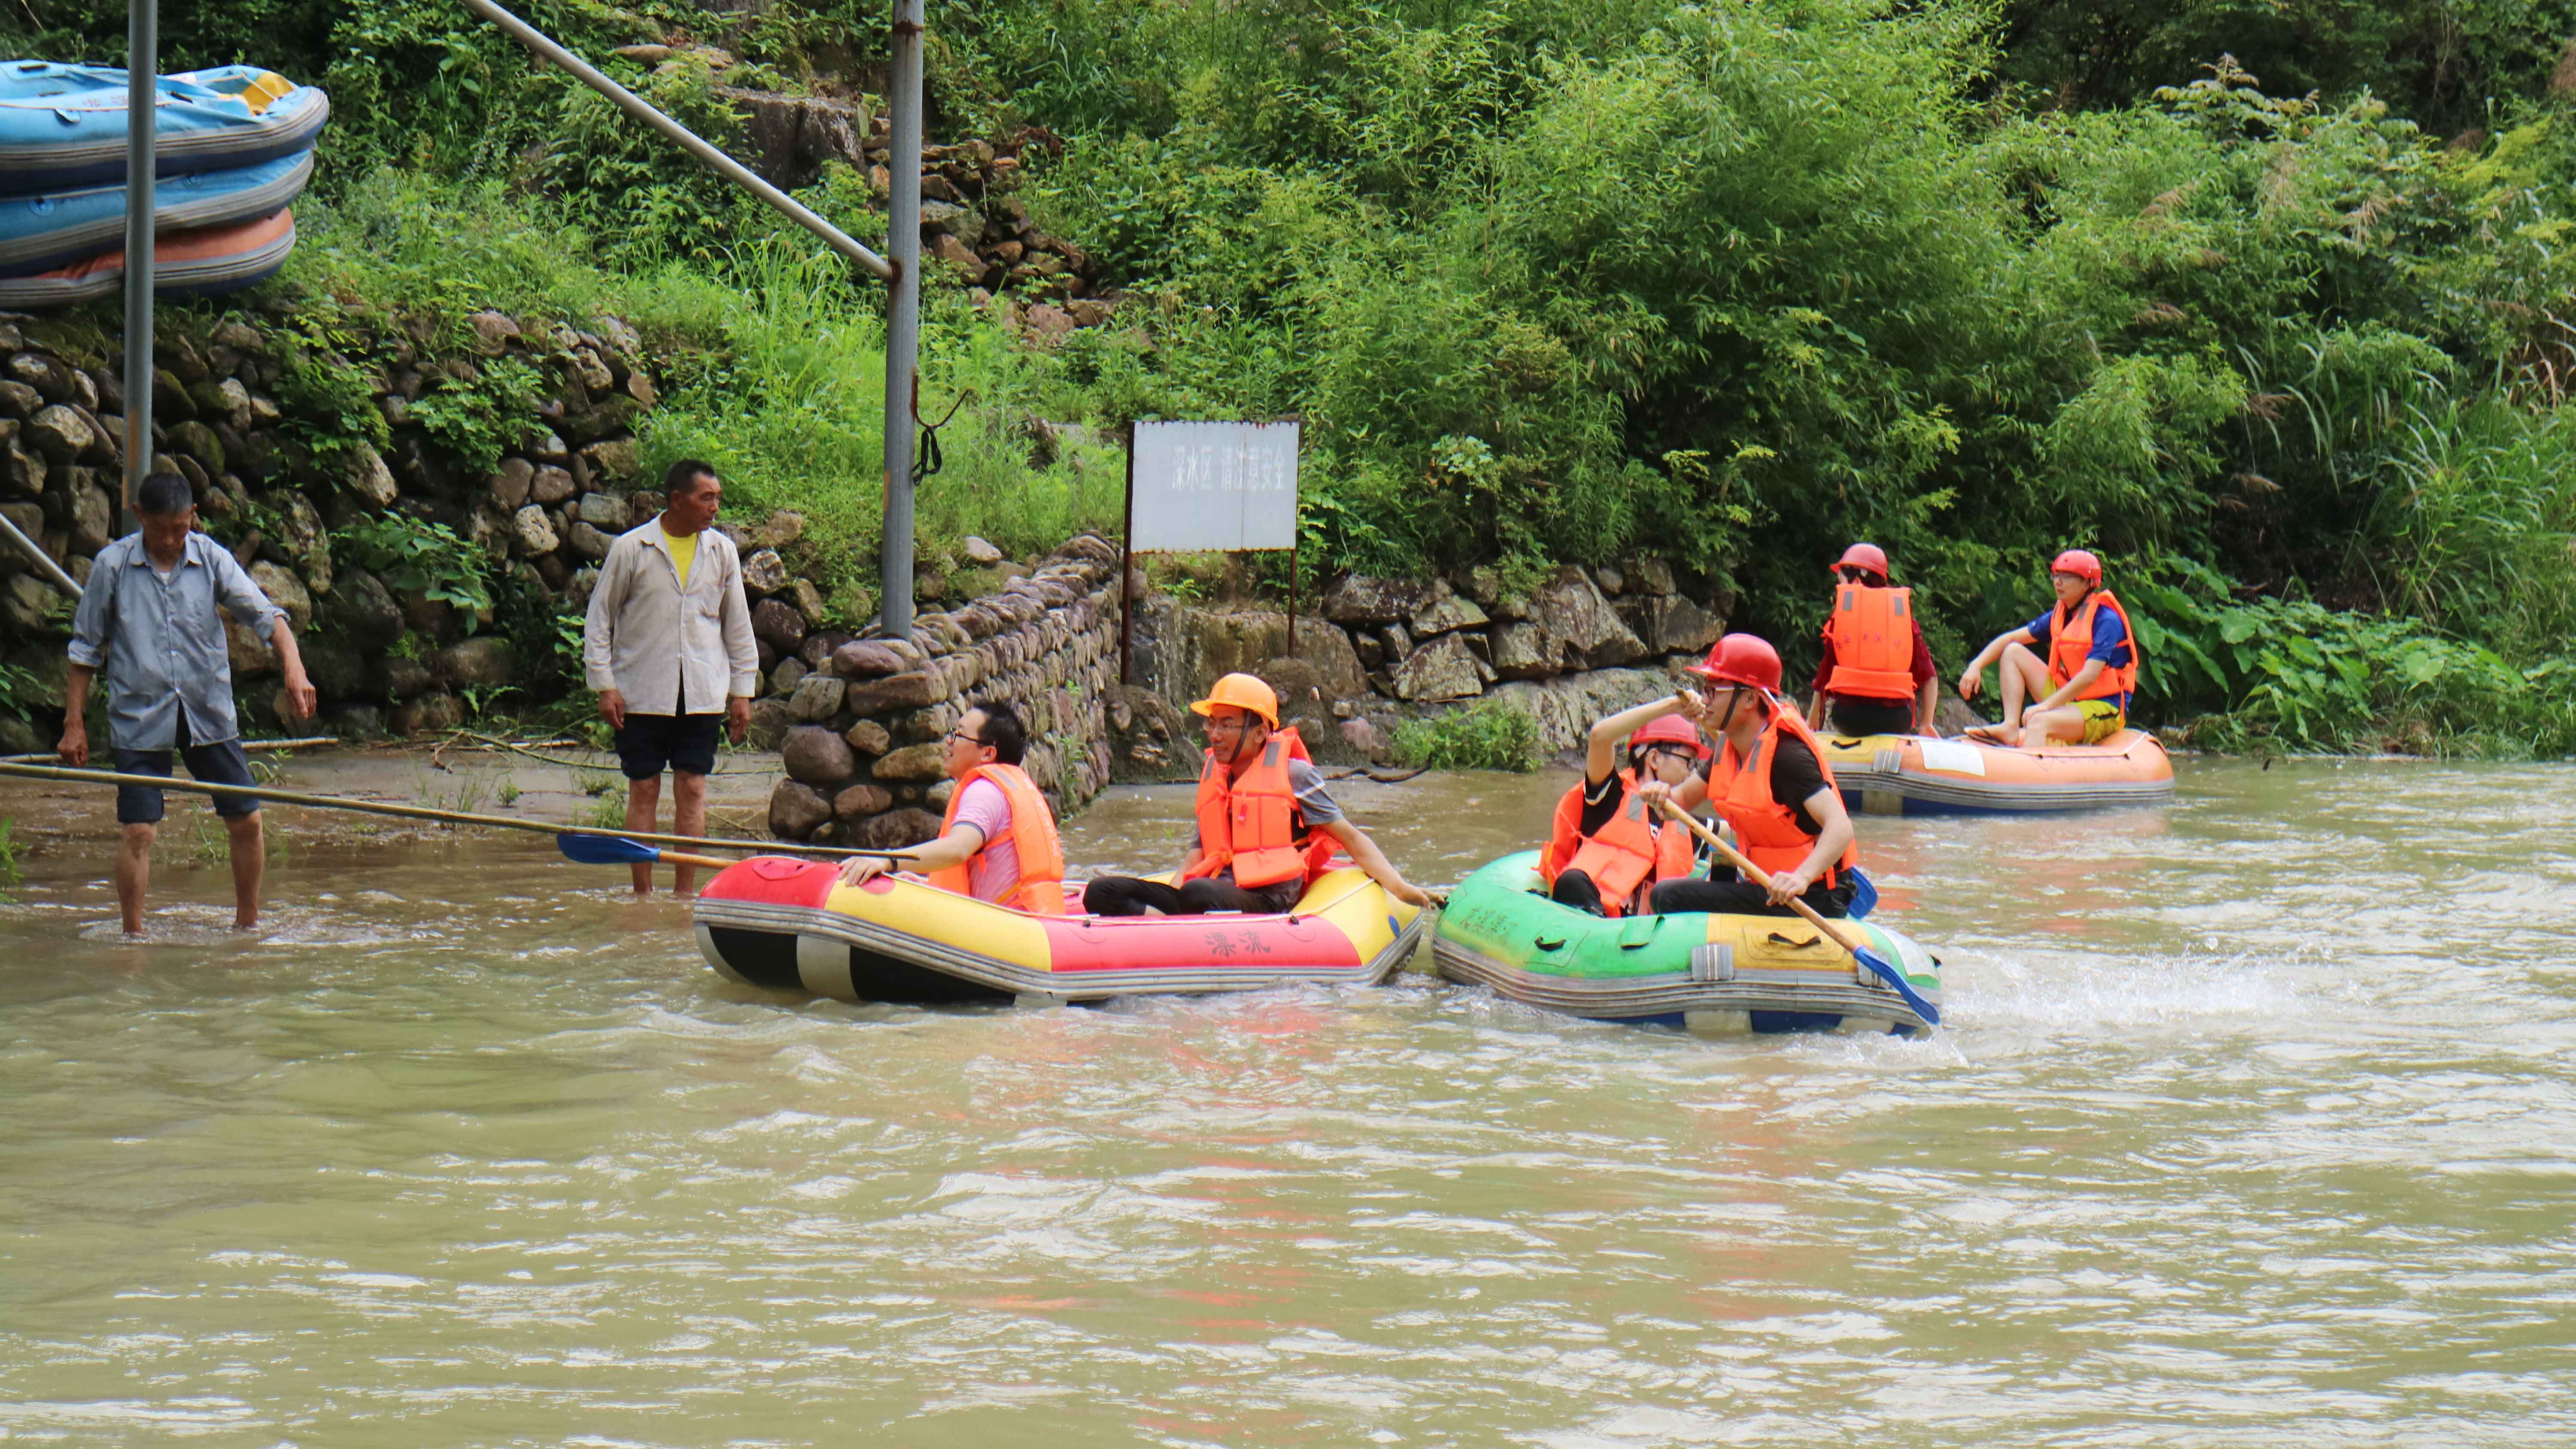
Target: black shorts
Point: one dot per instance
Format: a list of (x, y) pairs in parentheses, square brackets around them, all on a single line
[(216, 764), (652, 743), (1855, 716)]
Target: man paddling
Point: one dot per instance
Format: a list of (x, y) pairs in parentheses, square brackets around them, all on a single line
[(998, 842), (668, 646), (1266, 824), (148, 617)]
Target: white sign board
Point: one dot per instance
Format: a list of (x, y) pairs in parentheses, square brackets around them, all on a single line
[(1210, 486)]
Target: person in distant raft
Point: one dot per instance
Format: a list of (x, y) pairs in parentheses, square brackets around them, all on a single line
[(1769, 782), (998, 843), (1605, 848), (1266, 825), (1876, 670), (2081, 694)]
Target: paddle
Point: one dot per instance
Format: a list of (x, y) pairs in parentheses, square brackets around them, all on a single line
[(1931, 1014), (603, 850)]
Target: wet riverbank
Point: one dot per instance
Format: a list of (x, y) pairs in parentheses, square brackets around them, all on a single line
[(2241, 1132)]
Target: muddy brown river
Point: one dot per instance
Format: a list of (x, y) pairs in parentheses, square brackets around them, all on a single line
[(2254, 1123)]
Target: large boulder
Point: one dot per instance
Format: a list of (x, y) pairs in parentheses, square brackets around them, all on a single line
[(916, 690), (1441, 669), (816, 756), (763, 573), (896, 829), (286, 591), (61, 433), (1565, 707), (913, 762), (1366, 599), (778, 625), (434, 713), (369, 478), (860, 801), (796, 810), (363, 609), (1670, 624), (770, 722), (817, 697), (482, 662), (1446, 615)]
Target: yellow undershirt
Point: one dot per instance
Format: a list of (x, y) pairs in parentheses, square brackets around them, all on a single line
[(684, 552)]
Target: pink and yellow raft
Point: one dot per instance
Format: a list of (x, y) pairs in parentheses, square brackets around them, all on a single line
[(790, 925)]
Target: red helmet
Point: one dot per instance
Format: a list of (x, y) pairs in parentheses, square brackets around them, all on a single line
[(1671, 728), (1741, 659), (1864, 556), (2079, 563)]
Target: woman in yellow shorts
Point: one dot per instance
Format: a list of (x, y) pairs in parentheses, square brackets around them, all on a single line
[(2077, 664)]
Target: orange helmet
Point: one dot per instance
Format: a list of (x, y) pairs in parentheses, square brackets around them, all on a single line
[(1245, 693), (1868, 556), (1671, 729), (1741, 659), (2079, 563)]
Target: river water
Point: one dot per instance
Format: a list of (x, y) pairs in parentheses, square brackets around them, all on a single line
[(2255, 1123)]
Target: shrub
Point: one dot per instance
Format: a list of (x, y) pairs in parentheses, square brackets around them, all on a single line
[(1487, 735)]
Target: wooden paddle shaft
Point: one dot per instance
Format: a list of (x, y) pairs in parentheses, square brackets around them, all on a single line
[(1761, 877), (412, 812)]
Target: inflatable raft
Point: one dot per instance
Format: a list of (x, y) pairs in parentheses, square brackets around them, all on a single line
[(185, 263), (59, 229), (1915, 775), (63, 126), (1766, 973), (790, 925)]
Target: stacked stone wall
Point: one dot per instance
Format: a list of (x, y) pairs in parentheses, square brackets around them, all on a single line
[(860, 720)]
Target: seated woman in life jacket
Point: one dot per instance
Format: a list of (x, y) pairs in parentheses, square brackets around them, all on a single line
[(1605, 848), (1265, 823), (998, 842), (2077, 664), (1876, 674), (1771, 783)]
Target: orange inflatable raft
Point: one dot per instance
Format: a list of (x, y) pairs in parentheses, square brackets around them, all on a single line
[(1916, 775)]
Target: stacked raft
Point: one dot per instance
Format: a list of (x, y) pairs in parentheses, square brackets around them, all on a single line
[(233, 148), (791, 925)]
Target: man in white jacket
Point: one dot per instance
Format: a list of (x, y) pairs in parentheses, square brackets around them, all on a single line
[(668, 647)]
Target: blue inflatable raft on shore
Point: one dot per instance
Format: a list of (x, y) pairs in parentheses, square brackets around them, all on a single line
[(39, 233), (63, 126)]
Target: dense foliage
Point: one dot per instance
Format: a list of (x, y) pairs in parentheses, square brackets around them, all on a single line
[(2212, 287)]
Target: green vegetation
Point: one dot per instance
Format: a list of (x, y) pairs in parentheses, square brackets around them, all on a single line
[(1487, 735), (1550, 281)]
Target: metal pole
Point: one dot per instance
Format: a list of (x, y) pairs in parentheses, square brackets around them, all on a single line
[(142, 98), (903, 320), (722, 164), (1127, 570), (44, 561)]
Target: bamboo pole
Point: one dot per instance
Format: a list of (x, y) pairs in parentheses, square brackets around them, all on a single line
[(71, 776)]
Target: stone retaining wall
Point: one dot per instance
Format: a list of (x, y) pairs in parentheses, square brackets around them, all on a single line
[(860, 720)]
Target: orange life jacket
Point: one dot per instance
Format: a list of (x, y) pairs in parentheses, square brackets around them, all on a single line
[(2070, 643), (1766, 830), (1251, 823), (1041, 888), (1872, 630), (1624, 855)]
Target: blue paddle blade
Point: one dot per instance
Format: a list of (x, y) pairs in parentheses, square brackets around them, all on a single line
[(1925, 1009), (1864, 895), (605, 850)]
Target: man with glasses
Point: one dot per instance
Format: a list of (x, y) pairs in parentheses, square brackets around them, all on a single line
[(1266, 825), (998, 842)]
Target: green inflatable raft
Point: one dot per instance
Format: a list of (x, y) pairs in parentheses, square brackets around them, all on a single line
[(1765, 973)]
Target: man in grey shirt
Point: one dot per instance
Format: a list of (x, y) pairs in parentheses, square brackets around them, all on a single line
[(148, 615)]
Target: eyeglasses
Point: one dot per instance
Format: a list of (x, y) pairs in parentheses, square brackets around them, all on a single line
[(955, 735), (1685, 751)]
